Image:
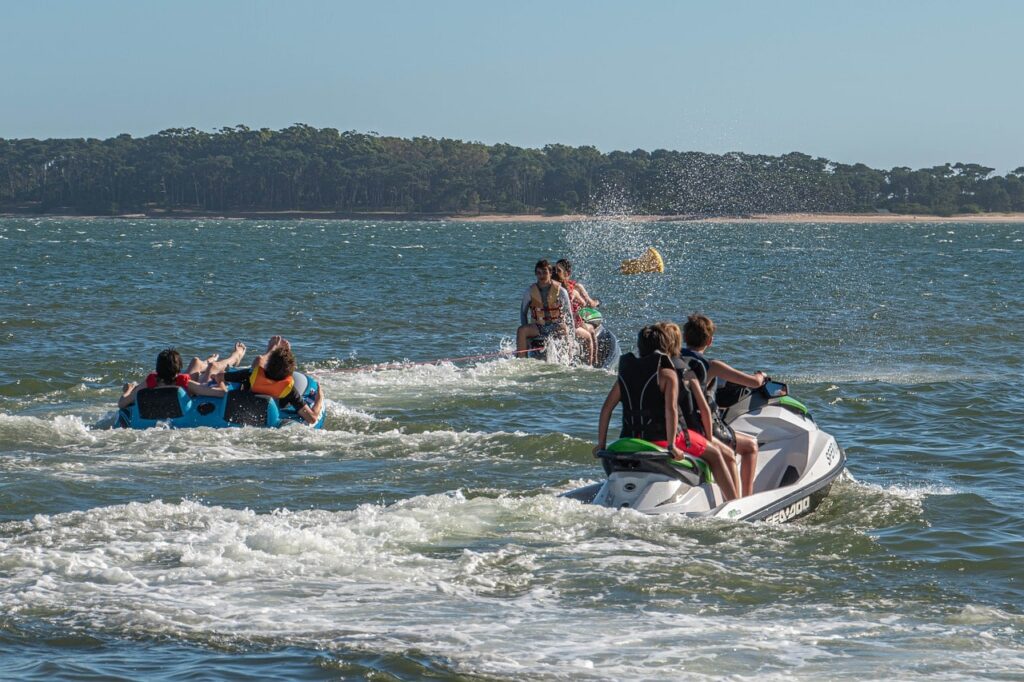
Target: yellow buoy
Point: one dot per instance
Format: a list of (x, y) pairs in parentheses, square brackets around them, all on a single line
[(650, 261)]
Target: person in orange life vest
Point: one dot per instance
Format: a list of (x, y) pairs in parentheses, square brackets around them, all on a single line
[(547, 304), (168, 373), (577, 299), (699, 333), (648, 388), (271, 374)]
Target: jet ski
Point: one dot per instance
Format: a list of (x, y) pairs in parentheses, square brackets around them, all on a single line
[(796, 465), (559, 351)]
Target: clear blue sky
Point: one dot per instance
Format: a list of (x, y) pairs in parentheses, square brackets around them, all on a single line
[(911, 82)]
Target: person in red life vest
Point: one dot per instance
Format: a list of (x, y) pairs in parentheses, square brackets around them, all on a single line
[(648, 387), (578, 298), (544, 308), (271, 374), (168, 373)]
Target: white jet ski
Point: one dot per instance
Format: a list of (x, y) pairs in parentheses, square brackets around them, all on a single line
[(796, 465)]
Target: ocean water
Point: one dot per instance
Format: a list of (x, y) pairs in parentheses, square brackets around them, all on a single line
[(419, 534)]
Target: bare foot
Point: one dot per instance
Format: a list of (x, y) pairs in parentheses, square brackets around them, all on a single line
[(274, 342), (236, 356)]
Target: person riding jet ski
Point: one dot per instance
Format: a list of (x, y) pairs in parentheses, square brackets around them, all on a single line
[(699, 333), (547, 304)]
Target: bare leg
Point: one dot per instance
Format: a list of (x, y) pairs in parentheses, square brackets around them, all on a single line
[(587, 343), (216, 367), (746, 446), (716, 459), (523, 336)]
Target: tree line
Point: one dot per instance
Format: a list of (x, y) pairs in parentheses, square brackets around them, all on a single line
[(302, 168)]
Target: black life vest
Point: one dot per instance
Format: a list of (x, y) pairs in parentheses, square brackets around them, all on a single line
[(643, 403), (701, 365), (689, 413)]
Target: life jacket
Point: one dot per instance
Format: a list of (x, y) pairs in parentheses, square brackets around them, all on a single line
[(570, 285), (180, 380), (643, 403), (546, 312), (701, 366), (689, 413), (259, 383)]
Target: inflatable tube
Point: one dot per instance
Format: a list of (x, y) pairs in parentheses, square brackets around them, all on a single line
[(650, 261), (174, 407)]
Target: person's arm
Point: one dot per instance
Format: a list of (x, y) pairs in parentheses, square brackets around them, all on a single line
[(613, 398), (524, 308), (592, 302), (702, 404), (128, 392), (720, 370), (670, 387), (312, 416)]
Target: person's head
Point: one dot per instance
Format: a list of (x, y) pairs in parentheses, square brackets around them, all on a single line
[(168, 365), (280, 364), (543, 271), (563, 270), (698, 331), (675, 338), (655, 337)]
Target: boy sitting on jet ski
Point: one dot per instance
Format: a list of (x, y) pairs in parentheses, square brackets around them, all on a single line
[(547, 303), (699, 333), (648, 387)]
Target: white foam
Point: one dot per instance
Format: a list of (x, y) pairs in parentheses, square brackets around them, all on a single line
[(506, 586)]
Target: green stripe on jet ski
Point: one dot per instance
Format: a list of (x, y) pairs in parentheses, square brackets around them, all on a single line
[(793, 404)]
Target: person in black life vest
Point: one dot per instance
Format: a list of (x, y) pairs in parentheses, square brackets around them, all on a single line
[(648, 388), (168, 373), (544, 310), (271, 374), (699, 333)]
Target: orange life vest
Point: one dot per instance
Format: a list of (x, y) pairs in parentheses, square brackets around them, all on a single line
[(259, 383), (546, 312)]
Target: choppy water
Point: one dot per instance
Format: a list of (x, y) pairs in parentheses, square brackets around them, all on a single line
[(418, 535)]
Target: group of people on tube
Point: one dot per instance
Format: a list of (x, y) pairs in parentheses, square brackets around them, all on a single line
[(667, 395), (550, 302), (270, 374)]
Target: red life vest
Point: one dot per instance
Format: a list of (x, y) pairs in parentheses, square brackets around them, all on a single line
[(259, 383), (576, 305), (181, 380), (546, 312)]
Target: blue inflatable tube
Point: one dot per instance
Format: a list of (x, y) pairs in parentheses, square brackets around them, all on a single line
[(239, 407)]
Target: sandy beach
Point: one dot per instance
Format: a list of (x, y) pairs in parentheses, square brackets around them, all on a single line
[(541, 218)]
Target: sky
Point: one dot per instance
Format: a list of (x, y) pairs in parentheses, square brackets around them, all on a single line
[(887, 83)]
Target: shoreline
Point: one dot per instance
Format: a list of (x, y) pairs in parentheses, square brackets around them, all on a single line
[(827, 218)]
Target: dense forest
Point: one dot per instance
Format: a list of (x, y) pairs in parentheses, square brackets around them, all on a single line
[(302, 168)]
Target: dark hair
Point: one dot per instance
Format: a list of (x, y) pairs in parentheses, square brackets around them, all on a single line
[(698, 330), (280, 364), (653, 337), (168, 365), (542, 263), (564, 263)]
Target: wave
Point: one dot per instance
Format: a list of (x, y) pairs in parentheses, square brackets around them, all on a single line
[(500, 586)]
